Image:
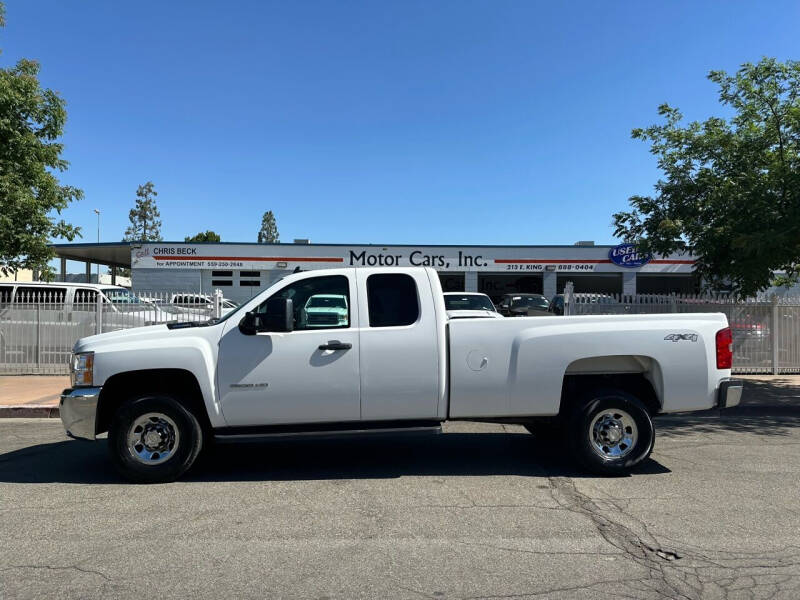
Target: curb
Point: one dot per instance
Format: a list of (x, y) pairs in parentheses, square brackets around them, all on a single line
[(29, 411)]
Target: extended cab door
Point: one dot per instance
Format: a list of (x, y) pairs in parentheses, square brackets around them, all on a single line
[(399, 349), (308, 375)]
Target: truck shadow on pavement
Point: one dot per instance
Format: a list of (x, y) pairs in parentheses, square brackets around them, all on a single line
[(385, 457), (388, 456)]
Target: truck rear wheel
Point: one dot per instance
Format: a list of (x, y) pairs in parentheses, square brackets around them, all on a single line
[(611, 432), (153, 438)]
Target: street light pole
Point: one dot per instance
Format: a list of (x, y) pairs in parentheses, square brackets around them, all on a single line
[(97, 212)]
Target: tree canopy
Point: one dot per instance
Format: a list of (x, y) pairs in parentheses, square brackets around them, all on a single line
[(144, 216), (730, 190), (203, 236), (268, 234), (32, 119)]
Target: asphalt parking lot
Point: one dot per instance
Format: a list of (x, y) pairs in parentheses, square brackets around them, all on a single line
[(480, 511)]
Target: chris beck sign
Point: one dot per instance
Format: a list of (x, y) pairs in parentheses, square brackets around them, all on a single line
[(627, 255)]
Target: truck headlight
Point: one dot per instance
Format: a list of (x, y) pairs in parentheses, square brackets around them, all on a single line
[(81, 372)]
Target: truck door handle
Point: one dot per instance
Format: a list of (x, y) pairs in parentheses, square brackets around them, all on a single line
[(335, 346)]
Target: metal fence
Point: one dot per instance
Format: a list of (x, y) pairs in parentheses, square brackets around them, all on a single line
[(38, 327), (766, 331)]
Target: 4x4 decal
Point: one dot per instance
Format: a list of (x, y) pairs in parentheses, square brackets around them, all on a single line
[(677, 337)]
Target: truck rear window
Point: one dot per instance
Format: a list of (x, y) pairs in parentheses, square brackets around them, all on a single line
[(392, 299)]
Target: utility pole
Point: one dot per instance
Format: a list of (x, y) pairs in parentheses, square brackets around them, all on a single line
[(97, 212)]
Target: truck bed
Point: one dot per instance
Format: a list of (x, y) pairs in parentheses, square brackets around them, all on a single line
[(516, 366)]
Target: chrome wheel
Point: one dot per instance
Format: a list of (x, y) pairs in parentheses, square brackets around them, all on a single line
[(153, 438), (613, 434)]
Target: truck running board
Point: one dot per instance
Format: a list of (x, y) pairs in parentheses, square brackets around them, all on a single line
[(317, 430)]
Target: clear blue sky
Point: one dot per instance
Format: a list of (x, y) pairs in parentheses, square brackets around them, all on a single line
[(403, 122)]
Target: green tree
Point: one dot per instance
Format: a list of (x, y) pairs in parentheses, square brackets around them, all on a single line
[(731, 186), (203, 236), (31, 121), (268, 234), (145, 219)]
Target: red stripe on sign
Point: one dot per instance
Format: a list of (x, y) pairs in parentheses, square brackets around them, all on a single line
[(525, 261), (254, 258), (516, 261)]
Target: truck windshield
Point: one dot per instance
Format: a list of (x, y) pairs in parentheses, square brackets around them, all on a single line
[(538, 301), (468, 302)]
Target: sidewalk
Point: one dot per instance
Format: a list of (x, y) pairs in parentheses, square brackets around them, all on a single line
[(31, 395), (37, 395)]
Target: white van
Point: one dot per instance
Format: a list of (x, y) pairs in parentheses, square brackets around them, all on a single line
[(40, 321)]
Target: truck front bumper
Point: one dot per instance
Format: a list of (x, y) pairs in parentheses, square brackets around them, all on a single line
[(729, 393), (78, 410)]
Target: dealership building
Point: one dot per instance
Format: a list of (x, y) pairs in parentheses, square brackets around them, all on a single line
[(242, 269)]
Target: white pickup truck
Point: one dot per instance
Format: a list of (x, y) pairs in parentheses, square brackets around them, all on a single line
[(395, 363)]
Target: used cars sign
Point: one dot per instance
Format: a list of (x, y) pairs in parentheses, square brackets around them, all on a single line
[(626, 255)]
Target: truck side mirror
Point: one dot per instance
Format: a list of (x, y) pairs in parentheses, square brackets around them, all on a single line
[(278, 318)]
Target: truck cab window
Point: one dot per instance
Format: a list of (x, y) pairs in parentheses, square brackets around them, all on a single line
[(318, 302), (392, 299)]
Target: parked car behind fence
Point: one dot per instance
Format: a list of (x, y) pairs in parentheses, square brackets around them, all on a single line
[(469, 305), (522, 305), (40, 322)]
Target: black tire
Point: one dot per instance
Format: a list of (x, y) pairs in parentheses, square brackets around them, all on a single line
[(614, 409), (176, 425)]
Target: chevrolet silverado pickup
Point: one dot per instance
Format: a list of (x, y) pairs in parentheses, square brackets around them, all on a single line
[(394, 362)]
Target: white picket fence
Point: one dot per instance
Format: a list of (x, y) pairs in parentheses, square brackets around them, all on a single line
[(766, 330), (39, 327)]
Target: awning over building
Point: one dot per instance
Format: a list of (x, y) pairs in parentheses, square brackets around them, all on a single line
[(112, 254), (240, 269)]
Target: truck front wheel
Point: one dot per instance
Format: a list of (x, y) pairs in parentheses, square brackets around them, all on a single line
[(153, 438), (611, 432)]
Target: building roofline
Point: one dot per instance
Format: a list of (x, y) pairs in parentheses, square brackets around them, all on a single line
[(127, 243)]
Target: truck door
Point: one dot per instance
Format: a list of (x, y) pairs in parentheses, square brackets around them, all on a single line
[(399, 350), (308, 375)]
